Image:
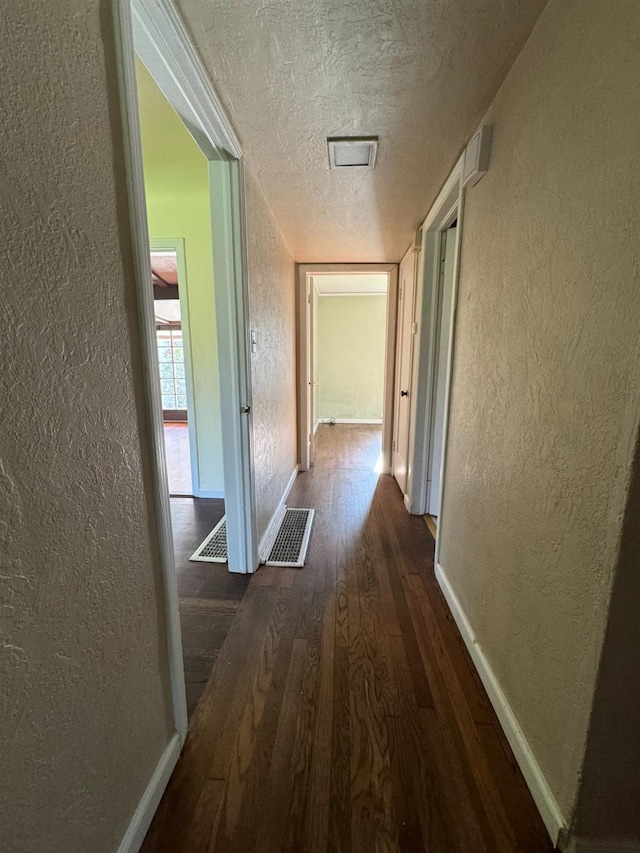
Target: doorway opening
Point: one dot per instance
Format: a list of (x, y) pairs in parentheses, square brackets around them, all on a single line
[(348, 350), (170, 301), (346, 319), (431, 359), (196, 351)]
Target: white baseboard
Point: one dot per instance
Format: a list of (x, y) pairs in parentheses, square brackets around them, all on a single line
[(210, 493), (143, 815), (268, 538), (597, 845), (540, 791), (315, 427), (350, 420)]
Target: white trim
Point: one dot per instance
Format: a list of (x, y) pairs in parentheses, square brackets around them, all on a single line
[(268, 537), (233, 364), (143, 815), (144, 296), (164, 46), (598, 845), (315, 427), (540, 791), (448, 204), (177, 245), (250, 505), (305, 274), (349, 421), (208, 493)]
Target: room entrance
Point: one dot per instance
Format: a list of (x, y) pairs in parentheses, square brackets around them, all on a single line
[(346, 355)]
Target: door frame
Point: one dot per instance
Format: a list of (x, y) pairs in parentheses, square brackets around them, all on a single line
[(304, 369), (449, 205), (153, 30), (177, 245)]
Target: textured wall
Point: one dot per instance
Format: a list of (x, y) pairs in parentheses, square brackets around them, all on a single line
[(418, 73), (85, 711), (610, 791), (545, 387), (350, 359), (273, 373), (178, 205)]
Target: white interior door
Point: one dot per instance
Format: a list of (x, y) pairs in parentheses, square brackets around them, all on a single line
[(404, 349), (445, 306)]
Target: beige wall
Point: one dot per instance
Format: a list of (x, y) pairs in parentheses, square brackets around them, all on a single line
[(273, 373), (547, 357), (350, 356), (85, 710)]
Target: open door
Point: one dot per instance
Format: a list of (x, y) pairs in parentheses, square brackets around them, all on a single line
[(445, 307), (404, 357)]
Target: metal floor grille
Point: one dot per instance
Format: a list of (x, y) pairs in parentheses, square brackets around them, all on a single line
[(214, 547), (292, 540)]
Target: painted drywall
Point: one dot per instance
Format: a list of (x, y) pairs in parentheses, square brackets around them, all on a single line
[(271, 273), (85, 710), (545, 383), (610, 793), (418, 74), (178, 205), (350, 356)]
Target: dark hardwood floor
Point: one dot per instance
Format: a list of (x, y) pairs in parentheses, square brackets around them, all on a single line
[(209, 595), (343, 712)]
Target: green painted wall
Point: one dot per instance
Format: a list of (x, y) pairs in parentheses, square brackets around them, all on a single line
[(177, 188), (350, 361)]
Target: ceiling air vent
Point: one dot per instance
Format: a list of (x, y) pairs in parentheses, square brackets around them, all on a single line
[(352, 151)]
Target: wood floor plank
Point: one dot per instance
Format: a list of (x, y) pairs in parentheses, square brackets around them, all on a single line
[(230, 680), (373, 822), (418, 811), (343, 713), (273, 809)]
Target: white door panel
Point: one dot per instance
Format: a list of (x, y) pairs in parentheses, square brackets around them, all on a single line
[(404, 350), (445, 306)]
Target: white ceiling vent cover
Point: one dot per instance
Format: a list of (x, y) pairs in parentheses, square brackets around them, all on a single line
[(352, 151)]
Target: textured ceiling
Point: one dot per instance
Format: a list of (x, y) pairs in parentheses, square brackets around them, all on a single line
[(417, 73)]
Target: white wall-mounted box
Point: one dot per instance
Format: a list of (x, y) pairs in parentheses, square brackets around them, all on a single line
[(476, 156)]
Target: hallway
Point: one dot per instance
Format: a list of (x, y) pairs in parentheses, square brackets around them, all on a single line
[(343, 712)]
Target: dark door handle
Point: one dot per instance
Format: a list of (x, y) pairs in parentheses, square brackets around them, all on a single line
[(404, 393)]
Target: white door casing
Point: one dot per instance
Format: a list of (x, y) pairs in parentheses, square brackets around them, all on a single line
[(177, 245), (445, 306), (154, 30), (447, 207)]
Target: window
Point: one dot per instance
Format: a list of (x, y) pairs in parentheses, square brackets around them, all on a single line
[(171, 358)]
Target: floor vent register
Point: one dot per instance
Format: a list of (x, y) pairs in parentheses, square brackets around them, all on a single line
[(292, 539), (214, 547)]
